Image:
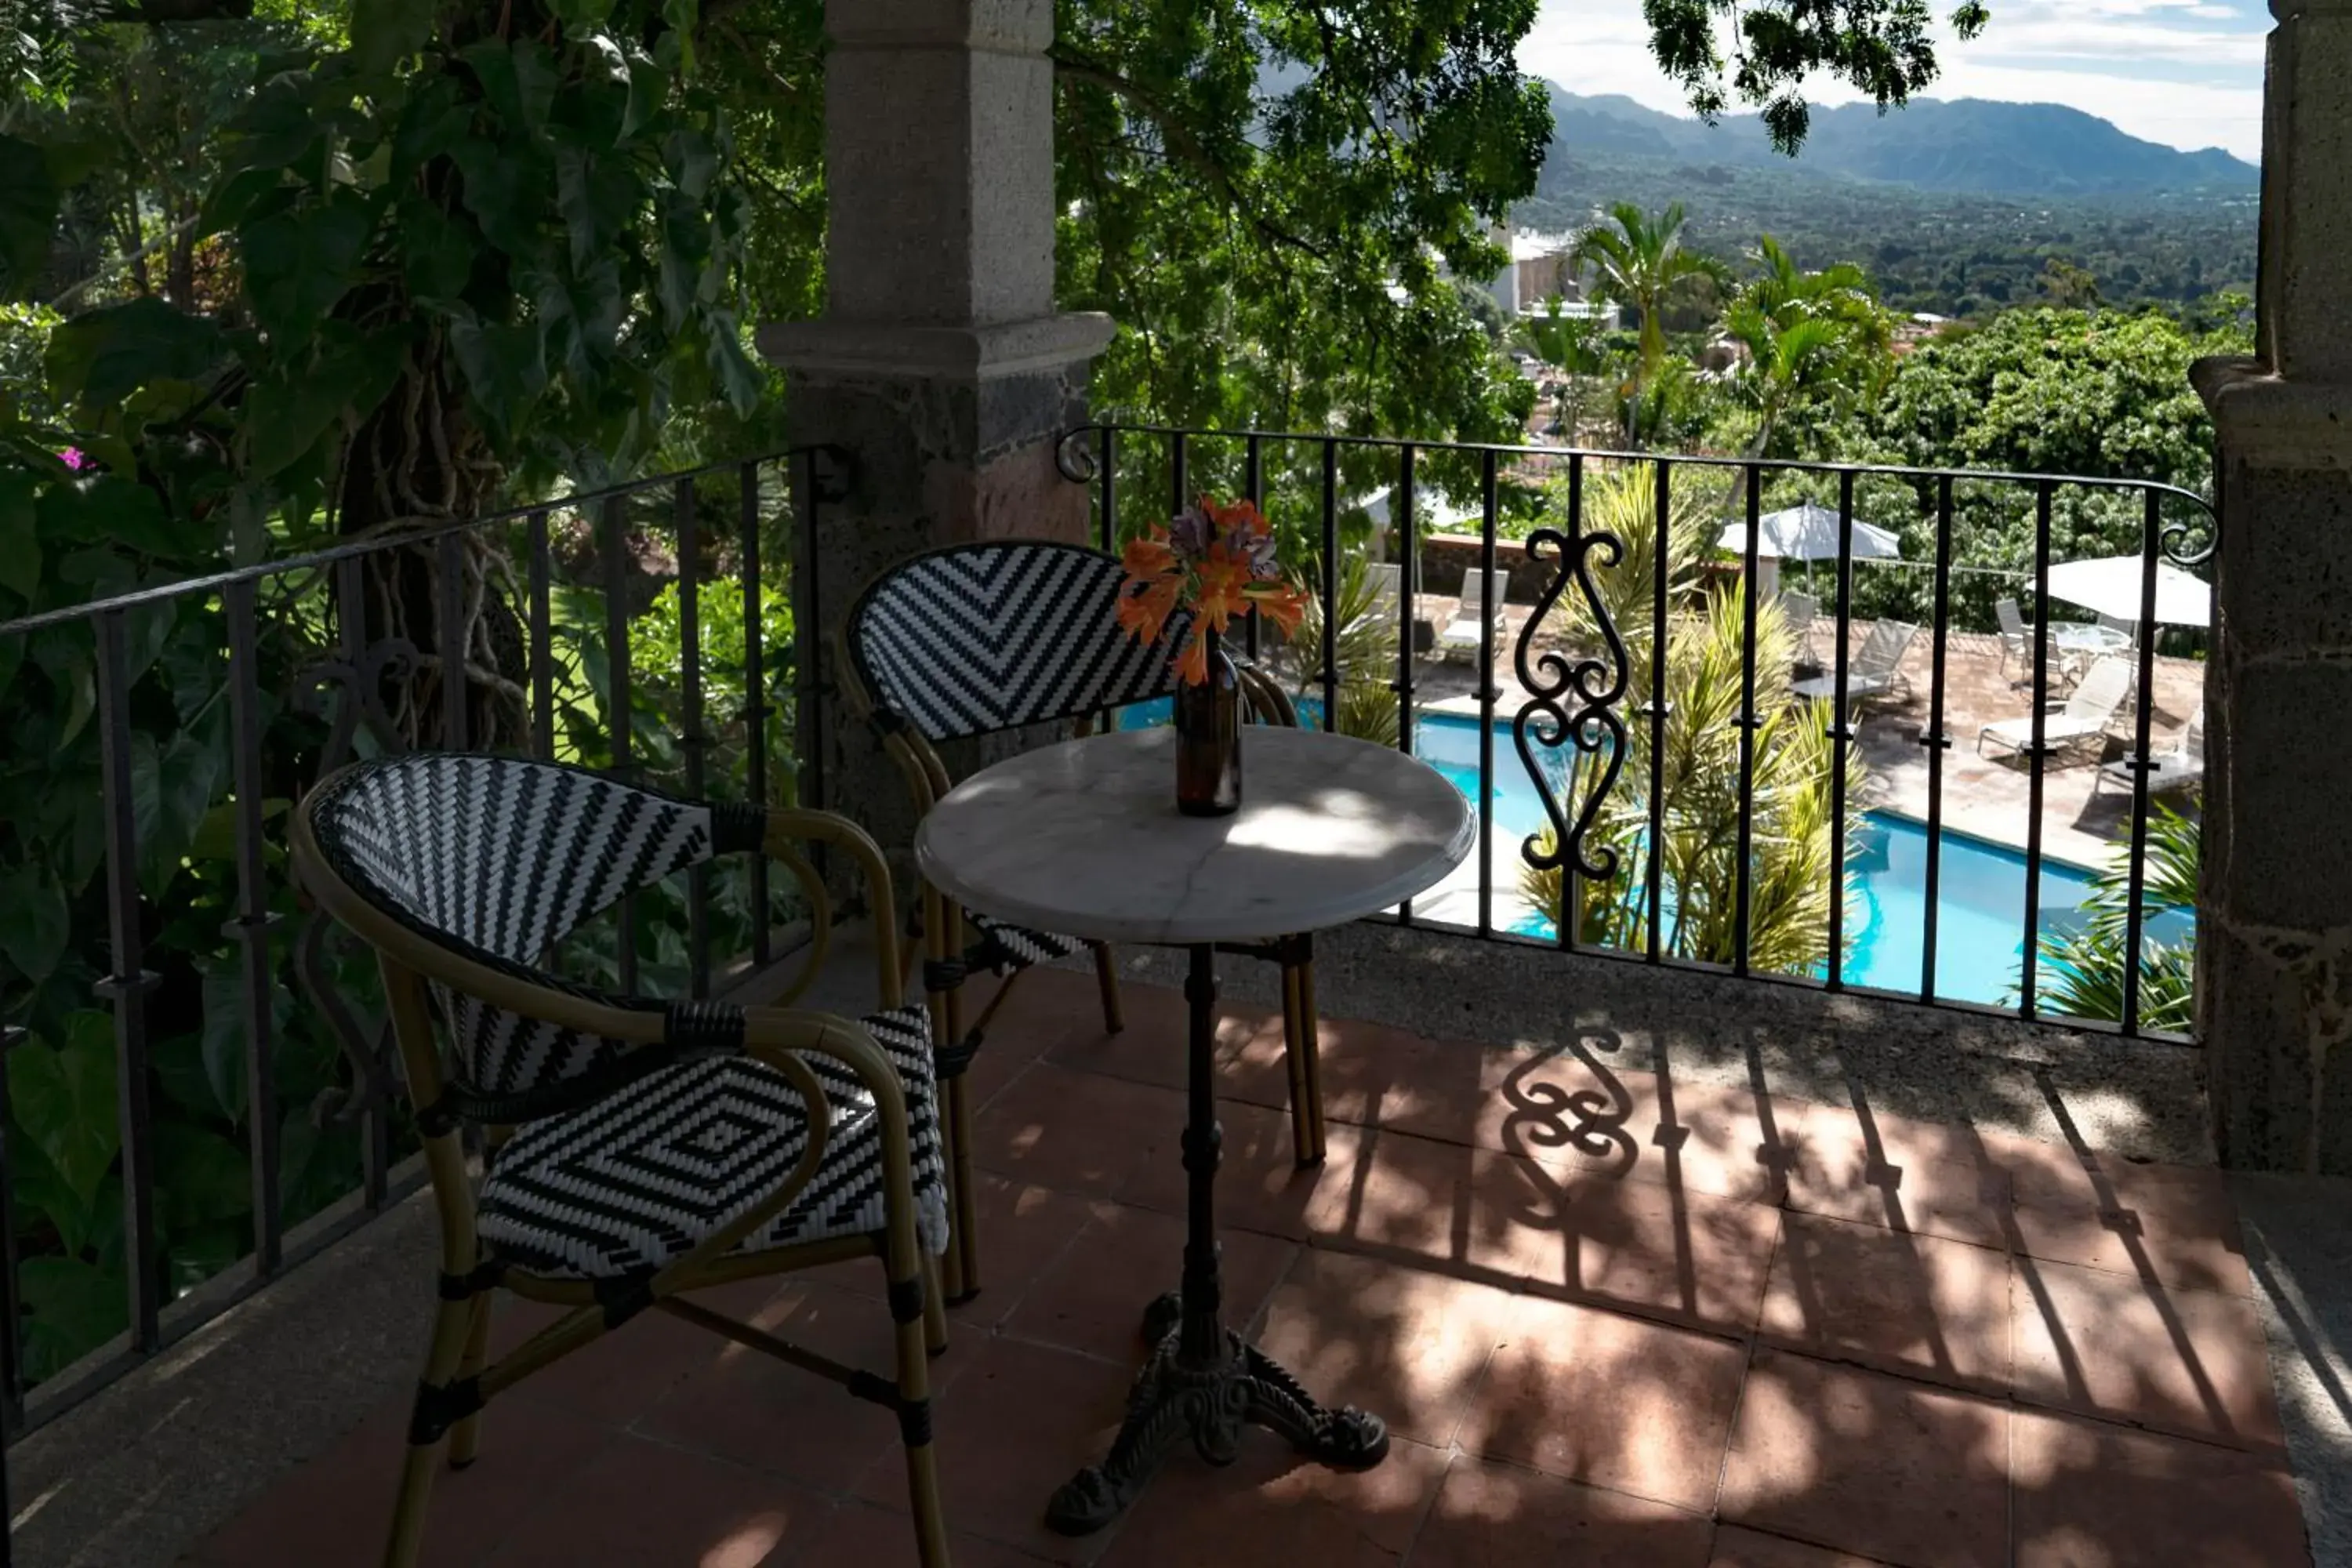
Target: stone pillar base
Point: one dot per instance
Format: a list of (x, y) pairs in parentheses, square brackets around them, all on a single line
[(2274, 924), (951, 434)]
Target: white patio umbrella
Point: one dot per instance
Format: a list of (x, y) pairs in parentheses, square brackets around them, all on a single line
[(1805, 533), (2110, 585)]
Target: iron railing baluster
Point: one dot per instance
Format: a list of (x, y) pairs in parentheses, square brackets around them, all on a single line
[(2135, 912), (1489, 617), (12, 1321), (449, 638), (615, 533), (691, 739), (126, 986), (1841, 734), (1110, 491), (1572, 880), (2028, 977), (1253, 486), (542, 643), (251, 925), (1331, 651), (1661, 554), (1743, 873), (755, 687), (1934, 740), (1406, 564)]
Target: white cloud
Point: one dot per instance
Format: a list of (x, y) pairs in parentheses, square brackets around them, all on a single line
[(2187, 73)]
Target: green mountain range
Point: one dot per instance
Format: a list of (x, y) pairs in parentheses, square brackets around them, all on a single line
[(1956, 208), (1970, 145)]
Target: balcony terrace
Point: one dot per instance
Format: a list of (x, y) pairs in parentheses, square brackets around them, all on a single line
[(1643, 1268)]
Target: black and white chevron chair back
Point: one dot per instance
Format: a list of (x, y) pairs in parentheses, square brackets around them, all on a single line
[(498, 858), (980, 637)]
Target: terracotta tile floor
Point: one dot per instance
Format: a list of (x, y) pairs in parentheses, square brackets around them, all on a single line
[(1614, 1322)]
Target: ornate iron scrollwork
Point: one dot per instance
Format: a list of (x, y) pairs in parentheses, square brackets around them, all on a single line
[(1596, 685), (2190, 544), (1074, 454)]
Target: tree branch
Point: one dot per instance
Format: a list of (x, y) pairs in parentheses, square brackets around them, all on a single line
[(1178, 139)]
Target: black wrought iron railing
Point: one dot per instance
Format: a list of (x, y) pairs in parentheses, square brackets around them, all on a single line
[(1637, 832), (650, 628)]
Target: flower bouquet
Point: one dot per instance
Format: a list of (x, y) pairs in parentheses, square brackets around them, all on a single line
[(1216, 563)]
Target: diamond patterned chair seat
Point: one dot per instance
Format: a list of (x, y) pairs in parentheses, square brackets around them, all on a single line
[(1017, 946), (641, 1175)]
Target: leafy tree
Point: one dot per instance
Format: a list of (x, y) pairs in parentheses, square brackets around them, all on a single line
[(1881, 46), (1576, 346)]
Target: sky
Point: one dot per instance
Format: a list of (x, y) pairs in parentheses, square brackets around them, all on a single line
[(2187, 73)]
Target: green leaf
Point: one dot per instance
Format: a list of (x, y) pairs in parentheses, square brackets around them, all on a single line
[(63, 1099), (505, 366), (40, 1192), (438, 251), (224, 1037), (71, 1307), (298, 263), (34, 923), (100, 358), (519, 79), (385, 32), (200, 1176)]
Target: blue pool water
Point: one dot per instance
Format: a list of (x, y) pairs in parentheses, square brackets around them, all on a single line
[(1981, 902)]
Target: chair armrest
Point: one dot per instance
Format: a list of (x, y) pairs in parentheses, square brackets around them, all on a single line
[(784, 831)]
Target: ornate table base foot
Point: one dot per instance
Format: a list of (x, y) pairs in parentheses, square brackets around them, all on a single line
[(1174, 1397)]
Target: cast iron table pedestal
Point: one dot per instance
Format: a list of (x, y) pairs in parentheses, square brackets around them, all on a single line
[(1203, 1380)]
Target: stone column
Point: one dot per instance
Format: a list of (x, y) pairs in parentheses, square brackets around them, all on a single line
[(940, 365), (2274, 1004)]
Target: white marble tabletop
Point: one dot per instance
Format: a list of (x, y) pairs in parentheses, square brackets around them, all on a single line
[(1084, 838)]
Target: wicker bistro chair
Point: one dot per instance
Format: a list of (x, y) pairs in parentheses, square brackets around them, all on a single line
[(635, 1149), (971, 639)]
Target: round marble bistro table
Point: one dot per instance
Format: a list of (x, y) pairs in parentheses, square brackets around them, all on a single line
[(1084, 837)]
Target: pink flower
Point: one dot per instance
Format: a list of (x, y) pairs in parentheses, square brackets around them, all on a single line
[(72, 458)]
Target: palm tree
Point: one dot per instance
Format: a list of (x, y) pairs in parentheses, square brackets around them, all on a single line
[(1792, 877), (1640, 262), (2084, 967), (1363, 643), (1810, 336)]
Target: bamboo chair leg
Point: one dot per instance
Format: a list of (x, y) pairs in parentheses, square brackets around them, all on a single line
[(465, 1437), (1106, 977), (1310, 1038), (935, 1308), (963, 1237), (451, 1322), (1294, 1062), (922, 1466), (955, 1125)]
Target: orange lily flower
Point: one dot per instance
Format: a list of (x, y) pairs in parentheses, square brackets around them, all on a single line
[(1149, 557), (1281, 604), (1144, 607), (1192, 664), (1225, 584)]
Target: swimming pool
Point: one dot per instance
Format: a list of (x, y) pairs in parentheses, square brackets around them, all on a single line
[(1981, 898)]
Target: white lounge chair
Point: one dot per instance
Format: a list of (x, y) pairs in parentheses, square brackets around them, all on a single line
[(1461, 633), (1875, 670), (1387, 580), (1797, 614), (2178, 768), (2089, 709), (2016, 642)]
